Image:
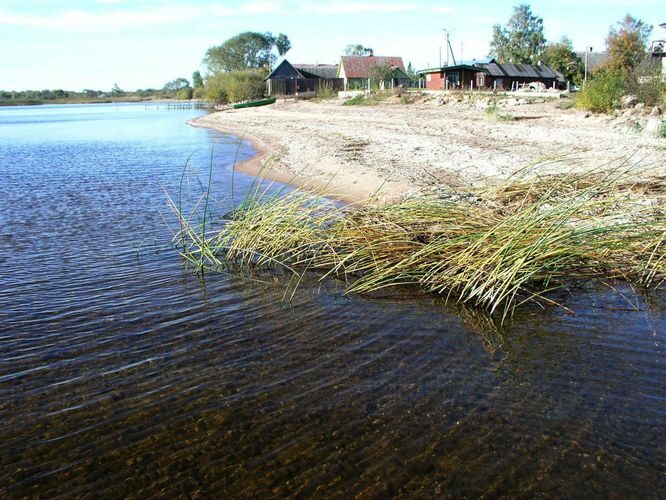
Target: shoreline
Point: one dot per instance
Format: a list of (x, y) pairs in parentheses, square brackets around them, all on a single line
[(392, 150), (324, 177)]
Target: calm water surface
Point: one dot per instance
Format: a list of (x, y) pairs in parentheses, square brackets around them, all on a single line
[(123, 374)]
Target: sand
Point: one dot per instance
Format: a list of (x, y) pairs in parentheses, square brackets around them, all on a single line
[(394, 150)]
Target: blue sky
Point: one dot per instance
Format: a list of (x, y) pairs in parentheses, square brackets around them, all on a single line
[(145, 43)]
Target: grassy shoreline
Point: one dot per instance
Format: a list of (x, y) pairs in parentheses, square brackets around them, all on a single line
[(496, 248)]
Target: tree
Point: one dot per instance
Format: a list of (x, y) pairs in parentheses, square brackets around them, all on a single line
[(522, 41), (561, 57), (176, 85), (627, 43), (411, 73), (247, 50), (381, 73), (282, 44), (197, 81), (356, 49)]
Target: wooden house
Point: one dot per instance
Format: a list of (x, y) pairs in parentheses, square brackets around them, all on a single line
[(357, 71), (292, 79), (451, 77), (514, 76), (490, 75)]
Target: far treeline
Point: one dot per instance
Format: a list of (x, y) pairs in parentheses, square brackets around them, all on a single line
[(180, 88)]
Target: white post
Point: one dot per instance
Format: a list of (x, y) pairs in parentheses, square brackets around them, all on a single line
[(471, 84), (587, 49)]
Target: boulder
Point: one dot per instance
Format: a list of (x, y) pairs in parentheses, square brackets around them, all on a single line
[(652, 126), (656, 111), (640, 106), (628, 101)]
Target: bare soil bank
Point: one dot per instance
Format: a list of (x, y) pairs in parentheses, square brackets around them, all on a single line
[(428, 145)]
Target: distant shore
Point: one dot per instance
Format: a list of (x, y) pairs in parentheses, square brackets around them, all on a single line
[(41, 102), (395, 150)]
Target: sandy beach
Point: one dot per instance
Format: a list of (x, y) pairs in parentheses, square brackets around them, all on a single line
[(393, 150)]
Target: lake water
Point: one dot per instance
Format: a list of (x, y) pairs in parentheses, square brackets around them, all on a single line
[(122, 373)]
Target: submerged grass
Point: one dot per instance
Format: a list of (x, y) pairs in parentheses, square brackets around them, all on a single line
[(513, 243)]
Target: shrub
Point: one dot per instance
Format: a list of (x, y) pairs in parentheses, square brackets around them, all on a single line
[(235, 86), (184, 94), (602, 93), (325, 91), (647, 86)]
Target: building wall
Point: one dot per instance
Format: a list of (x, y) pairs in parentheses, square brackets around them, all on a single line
[(434, 81)]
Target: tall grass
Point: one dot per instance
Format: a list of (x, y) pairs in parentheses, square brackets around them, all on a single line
[(514, 243)]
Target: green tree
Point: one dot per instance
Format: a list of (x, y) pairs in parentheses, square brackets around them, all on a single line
[(247, 50), (184, 94), (357, 49), (561, 57), (176, 85), (197, 81), (627, 44), (282, 44), (381, 73), (411, 73), (522, 40)]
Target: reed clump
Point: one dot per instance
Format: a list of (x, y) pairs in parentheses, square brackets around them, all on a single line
[(508, 244)]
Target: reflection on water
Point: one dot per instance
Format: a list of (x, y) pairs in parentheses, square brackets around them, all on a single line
[(126, 376)]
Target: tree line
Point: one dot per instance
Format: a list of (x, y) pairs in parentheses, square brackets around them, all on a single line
[(522, 41)]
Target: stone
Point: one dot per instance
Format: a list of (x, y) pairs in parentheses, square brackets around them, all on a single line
[(640, 106), (628, 101), (656, 111), (652, 126), (584, 114)]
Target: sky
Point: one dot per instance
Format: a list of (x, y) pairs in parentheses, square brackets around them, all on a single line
[(94, 44)]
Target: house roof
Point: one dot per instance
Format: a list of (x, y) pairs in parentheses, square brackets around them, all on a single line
[(361, 66), (328, 71), (285, 67), (454, 67), (507, 70), (594, 59)]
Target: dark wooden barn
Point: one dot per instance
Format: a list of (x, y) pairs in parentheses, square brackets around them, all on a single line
[(290, 79), (515, 76)]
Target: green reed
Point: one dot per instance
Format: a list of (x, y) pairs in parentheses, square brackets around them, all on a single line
[(512, 242)]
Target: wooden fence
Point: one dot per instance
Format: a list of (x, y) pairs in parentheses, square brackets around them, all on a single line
[(281, 86)]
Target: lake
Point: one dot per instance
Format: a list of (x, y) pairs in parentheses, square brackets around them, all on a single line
[(123, 373)]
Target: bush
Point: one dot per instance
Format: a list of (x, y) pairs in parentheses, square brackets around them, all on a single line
[(235, 86), (602, 93), (326, 91), (184, 94), (648, 86)]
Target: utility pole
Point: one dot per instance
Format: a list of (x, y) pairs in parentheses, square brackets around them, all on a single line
[(448, 46), (587, 51)]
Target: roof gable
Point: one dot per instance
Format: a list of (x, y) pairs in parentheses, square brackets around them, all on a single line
[(361, 66), (285, 70)]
